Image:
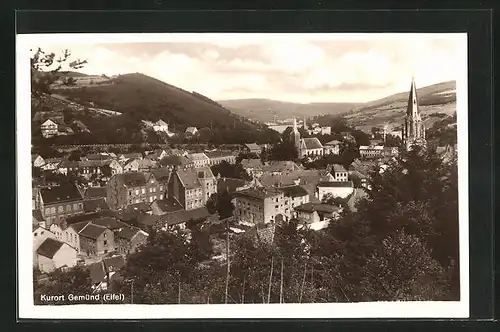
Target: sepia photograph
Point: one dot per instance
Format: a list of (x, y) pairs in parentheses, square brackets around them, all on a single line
[(242, 175)]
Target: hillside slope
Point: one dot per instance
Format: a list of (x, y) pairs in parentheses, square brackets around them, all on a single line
[(435, 101), (264, 110), (145, 98)]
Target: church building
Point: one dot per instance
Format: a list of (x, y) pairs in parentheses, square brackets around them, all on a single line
[(413, 128)]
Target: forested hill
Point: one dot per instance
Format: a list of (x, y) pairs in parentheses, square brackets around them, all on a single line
[(144, 98)]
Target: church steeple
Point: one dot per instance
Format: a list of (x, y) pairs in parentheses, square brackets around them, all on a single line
[(413, 129)]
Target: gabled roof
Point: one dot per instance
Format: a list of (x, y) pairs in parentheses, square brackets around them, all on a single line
[(109, 222), (94, 205), (79, 226), (131, 155), (257, 193), (294, 191), (35, 156), (161, 174), (338, 168), (86, 217), (63, 193), (190, 177), (218, 154), (133, 179), (334, 142), (49, 122), (311, 143), (281, 166), (96, 156), (198, 156), (129, 232), (92, 231), (168, 205), (99, 271), (95, 192), (49, 247), (251, 163), (191, 130), (252, 146)]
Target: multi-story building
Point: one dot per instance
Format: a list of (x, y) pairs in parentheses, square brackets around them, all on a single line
[(217, 157), (259, 205), (192, 187), (339, 173), (131, 188), (58, 203), (294, 196), (49, 128), (340, 189), (66, 234), (99, 167), (253, 148), (53, 254), (332, 147), (95, 240), (199, 159)]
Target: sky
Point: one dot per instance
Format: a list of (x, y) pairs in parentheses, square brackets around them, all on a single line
[(302, 68)]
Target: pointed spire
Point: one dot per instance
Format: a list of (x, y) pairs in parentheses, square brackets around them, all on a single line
[(294, 124)]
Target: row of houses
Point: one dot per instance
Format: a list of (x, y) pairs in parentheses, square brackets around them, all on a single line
[(64, 245)]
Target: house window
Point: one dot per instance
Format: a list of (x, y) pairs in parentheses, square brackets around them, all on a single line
[(75, 207), (60, 209), (68, 208), (36, 234), (161, 188), (137, 191), (150, 190), (130, 192), (143, 190), (105, 242), (47, 211), (105, 251)]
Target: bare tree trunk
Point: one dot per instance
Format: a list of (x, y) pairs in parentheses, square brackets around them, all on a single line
[(179, 293), (270, 281), (303, 283), (243, 291), (281, 282), (228, 263)]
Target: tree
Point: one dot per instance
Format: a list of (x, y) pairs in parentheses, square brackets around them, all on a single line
[(45, 68), (402, 269), (74, 281), (233, 171), (225, 206)]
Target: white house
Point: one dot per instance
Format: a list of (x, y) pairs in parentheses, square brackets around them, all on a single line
[(340, 189), (67, 235), (49, 128), (310, 147), (160, 125), (339, 172), (191, 131), (37, 160), (332, 147), (53, 254), (39, 235), (199, 159)]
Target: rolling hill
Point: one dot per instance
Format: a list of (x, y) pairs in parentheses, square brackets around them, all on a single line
[(145, 98), (264, 110), (436, 101)]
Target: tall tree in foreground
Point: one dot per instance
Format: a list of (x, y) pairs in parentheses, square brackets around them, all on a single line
[(45, 68)]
